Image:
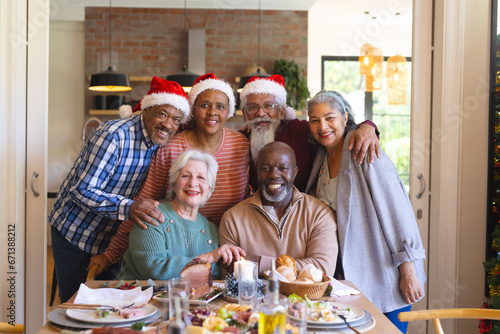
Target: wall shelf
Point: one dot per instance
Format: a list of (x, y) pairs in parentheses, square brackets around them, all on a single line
[(107, 112)]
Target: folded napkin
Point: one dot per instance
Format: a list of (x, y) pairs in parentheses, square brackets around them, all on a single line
[(277, 275), (86, 295), (340, 289)]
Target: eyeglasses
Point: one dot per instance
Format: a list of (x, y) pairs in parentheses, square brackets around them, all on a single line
[(268, 108)]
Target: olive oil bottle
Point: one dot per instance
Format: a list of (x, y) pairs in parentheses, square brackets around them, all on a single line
[(272, 315)]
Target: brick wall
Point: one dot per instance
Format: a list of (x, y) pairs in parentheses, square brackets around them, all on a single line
[(153, 41)]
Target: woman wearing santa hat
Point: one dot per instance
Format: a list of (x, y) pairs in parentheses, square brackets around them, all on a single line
[(212, 102)]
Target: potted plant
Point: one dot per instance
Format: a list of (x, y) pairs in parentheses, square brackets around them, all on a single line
[(295, 82)]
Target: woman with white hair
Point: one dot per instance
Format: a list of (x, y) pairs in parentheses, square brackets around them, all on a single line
[(161, 252), (380, 249)]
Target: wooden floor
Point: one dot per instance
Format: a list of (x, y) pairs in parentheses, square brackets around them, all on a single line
[(50, 271)]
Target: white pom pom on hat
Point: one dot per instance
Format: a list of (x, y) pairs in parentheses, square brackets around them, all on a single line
[(125, 111)]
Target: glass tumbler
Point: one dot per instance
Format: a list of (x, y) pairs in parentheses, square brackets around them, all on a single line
[(178, 288)]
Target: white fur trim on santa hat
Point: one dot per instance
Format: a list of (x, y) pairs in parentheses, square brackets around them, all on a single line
[(264, 86), (125, 111), (174, 100), (289, 113), (215, 84)]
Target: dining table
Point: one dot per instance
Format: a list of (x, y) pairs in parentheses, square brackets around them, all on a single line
[(380, 324)]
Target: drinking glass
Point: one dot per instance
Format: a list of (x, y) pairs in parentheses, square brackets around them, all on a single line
[(178, 288), (296, 315)]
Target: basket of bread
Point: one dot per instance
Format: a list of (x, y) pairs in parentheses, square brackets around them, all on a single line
[(310, 281)]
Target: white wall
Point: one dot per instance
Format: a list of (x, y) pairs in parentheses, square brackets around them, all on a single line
[(66, 101), (340, 28), (66, 98)]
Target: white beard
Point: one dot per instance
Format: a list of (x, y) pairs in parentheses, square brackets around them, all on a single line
[(278, 198), (260, 137)]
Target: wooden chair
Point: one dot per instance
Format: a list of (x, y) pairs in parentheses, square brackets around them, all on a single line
[(91, 272), (8, 328), (454, 313)]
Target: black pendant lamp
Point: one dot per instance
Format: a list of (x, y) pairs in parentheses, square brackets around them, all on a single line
[(260, 72), (109, 80), (185, 78)]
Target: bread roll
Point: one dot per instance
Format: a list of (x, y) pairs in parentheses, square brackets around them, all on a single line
[(287, 273), (311, 272), (303, 281), (287, 260)]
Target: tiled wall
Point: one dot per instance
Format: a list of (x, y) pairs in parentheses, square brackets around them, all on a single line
[(148, 41)]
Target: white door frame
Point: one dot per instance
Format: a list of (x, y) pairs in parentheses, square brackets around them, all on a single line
[(36, 162), (420, 145), (13, 16), (24, 94)]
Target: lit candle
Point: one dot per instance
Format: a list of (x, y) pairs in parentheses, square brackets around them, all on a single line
[(245, 270)]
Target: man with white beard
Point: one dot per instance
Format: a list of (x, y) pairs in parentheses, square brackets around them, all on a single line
[(268, 119)]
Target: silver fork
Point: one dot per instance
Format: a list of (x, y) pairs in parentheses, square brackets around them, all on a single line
[(341, 316)]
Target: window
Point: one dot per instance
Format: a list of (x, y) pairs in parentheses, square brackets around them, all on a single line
[(393, 121)]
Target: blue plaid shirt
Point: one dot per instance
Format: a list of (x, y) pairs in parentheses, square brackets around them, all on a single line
[(97, 193)]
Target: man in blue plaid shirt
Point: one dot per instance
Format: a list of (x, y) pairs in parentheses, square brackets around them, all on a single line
[(108, 173)]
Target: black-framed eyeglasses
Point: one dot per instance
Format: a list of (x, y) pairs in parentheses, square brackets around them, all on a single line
[(268, 108)]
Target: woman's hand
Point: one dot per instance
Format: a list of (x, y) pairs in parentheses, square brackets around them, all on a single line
[(409, 283), (228, 254), (102, 261)]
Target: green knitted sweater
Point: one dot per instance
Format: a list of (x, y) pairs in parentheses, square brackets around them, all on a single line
[(160, 252)]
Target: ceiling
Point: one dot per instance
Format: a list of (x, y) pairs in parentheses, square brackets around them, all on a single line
[(209, 4), (353, 11)]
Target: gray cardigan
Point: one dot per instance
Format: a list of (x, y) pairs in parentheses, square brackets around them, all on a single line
[(376, 227)]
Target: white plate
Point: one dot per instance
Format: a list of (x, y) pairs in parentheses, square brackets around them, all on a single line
[(59, 319), (356, 315), (112, 318)]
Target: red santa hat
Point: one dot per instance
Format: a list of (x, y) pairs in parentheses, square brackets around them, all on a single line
[(273, 85), (210, 81), (161, 92)]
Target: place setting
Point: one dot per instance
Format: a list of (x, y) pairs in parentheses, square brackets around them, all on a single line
[(95, 308)]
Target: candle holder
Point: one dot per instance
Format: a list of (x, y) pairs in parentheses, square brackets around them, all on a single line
[(247, 283)]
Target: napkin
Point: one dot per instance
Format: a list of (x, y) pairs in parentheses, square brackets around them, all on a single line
[(277, 275), (118, 297), (340, 289)]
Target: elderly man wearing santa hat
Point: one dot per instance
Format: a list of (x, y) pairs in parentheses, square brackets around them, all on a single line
[(268, 119), (109, 171)]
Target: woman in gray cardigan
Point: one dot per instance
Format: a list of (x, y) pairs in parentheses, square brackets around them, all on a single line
[(380, 249)]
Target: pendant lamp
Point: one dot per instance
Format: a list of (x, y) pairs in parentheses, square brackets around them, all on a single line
[(397, 76), (259, 70), (397, 80), (185, 78), (371, 65), (109, 80)]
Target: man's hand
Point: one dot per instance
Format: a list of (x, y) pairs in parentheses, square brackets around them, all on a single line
[(362, 140), (409, 283), (102, 261), (147, 210)]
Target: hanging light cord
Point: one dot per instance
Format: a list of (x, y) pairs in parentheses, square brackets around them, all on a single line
[(187, 35), (110, 33), (258, 37)]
